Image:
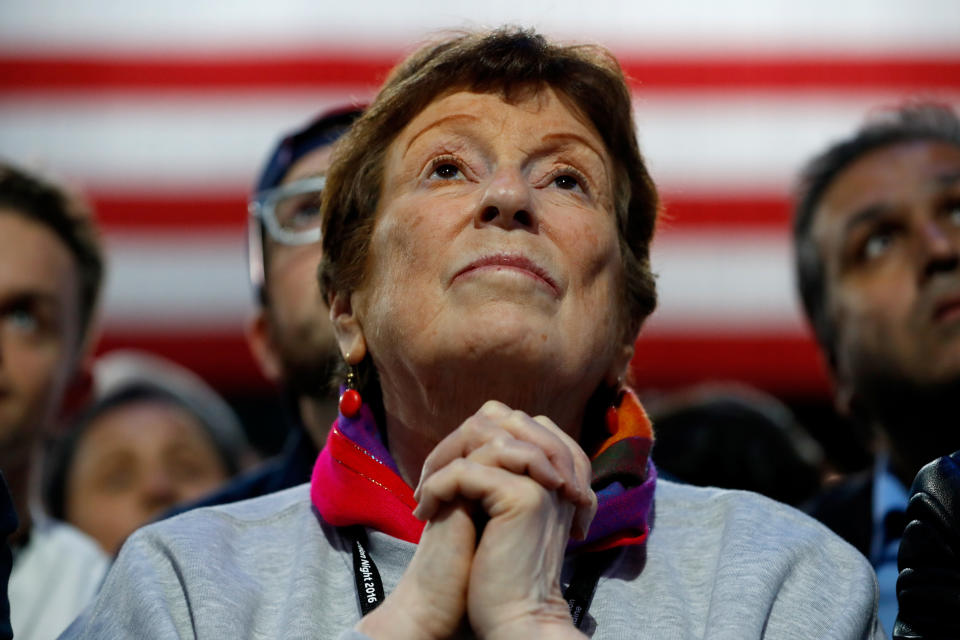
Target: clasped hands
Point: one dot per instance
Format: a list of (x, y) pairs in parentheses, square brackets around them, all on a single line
[(530, 482)]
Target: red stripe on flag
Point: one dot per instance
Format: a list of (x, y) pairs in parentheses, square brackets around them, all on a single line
[(228, 209), (210, 210), (88, 74), (780, 364), (743, 209), (334, 70)]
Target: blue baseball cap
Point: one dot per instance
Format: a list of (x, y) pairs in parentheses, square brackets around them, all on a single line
[(321, 131)]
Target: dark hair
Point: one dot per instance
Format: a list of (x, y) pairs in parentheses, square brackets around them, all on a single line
[(736, 438), (70, 219), (218, 422), (323, 130), (915, 121), (512, 62)]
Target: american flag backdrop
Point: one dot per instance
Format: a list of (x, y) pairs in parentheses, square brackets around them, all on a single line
[(163, 112)]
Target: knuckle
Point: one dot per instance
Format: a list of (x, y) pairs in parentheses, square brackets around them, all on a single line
[(582, 461), (458, 466), (500, 442), (470, 429), (494, 408)]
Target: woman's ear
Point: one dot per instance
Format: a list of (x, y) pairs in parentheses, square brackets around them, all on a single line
[(347, 327)]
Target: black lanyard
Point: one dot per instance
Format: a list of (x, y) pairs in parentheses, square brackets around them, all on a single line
[(587, 569)]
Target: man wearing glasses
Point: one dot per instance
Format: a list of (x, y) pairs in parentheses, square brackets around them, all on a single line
[(290, 334)]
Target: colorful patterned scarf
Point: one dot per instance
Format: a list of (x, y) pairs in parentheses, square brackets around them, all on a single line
[(356, 482)]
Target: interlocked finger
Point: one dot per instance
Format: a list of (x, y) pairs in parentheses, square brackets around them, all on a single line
[(497, 423), (496, 490), (516, 456)]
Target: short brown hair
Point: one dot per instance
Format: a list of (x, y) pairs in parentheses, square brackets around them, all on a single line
[(70, 219), (510, 61)]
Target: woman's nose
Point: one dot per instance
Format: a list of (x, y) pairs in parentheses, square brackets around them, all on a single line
[(508, 202)]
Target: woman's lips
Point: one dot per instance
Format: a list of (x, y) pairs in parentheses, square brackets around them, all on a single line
[(512, 261)]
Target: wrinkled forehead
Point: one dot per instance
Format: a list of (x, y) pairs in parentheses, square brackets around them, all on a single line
[(529, 117), (533, 99)]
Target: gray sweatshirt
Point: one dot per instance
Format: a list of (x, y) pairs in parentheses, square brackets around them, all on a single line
[(718, 564)]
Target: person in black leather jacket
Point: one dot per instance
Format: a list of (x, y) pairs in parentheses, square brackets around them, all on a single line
[(928, 588)]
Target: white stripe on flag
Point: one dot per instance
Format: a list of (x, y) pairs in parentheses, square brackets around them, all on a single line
[(747, 142)]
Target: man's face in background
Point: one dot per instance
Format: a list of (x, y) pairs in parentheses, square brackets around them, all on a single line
[(39, 328), (889, 231), (295, 322), (888, 228)]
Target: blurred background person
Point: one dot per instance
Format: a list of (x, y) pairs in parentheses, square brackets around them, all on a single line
[(877, 238), (156, 436), (735, 437), (51, 268), (290, 334)]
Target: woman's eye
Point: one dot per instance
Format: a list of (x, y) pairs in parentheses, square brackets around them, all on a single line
[(567, 182), (446, 171)]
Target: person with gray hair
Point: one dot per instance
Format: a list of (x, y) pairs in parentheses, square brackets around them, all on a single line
[(877, 239)]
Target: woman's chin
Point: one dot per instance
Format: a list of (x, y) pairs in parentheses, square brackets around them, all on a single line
[(507, 289), (507, 338)]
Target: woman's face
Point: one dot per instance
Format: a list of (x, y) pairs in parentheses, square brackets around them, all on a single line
[(134, 462), (495, 245)]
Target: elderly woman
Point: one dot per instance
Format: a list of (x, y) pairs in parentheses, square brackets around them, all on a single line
[(486, 236)]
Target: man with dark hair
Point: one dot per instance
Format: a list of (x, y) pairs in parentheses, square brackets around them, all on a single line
[(50, 274), (877, 239), (290, 334)]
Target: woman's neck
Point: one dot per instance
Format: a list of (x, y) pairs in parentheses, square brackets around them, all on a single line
[(420, 413)]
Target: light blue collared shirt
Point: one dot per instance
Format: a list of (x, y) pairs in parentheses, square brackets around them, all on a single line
[(889, 495)]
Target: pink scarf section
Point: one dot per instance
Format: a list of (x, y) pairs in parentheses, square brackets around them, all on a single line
[(355, 481)]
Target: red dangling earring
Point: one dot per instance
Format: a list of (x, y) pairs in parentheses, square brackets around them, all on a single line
[(350, 399)]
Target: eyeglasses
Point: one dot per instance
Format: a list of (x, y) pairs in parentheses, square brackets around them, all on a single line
[(290, 214)]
